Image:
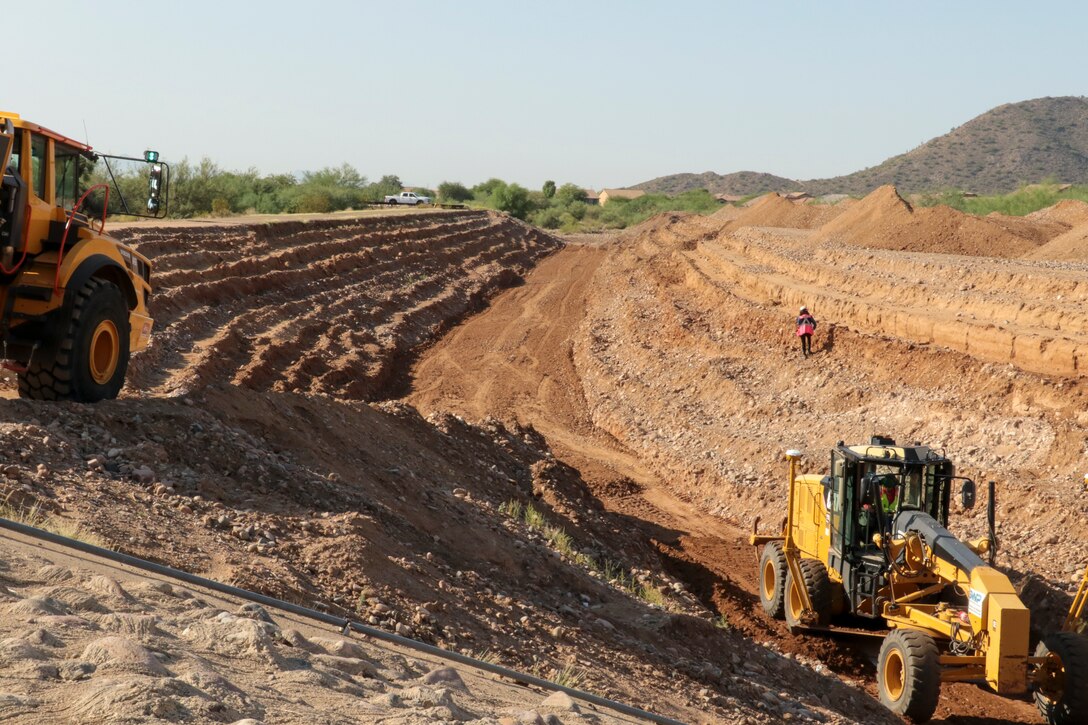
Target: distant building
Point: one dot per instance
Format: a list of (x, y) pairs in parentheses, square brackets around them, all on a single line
[(607, 194), (797, 195), (591, 197)]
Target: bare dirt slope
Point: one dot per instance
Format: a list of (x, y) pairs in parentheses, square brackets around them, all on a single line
[(285, 483), (693, 392), (636, 392)]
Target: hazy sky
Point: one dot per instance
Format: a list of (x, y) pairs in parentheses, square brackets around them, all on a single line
[(598, 93)]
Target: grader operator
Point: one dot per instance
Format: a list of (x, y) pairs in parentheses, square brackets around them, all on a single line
[(849, 547), (73, 300)]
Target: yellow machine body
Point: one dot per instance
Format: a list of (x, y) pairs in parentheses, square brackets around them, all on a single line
[(901, 567), (59, 270), (37, 150)]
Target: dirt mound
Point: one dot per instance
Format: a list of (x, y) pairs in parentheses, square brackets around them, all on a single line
[(1038, 231), (1071, 212), (728, 212), (884, 220), (774, 210), (1072, 246)]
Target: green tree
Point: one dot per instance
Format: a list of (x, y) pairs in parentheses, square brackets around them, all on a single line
[(567, 194), (344, 176), (548, 189), (486, 189), (453, 191), (512, 199)]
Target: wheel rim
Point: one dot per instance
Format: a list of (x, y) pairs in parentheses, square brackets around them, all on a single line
[(1052, 684), (768, 581), (893, 674), (796, 605), (105, 351)]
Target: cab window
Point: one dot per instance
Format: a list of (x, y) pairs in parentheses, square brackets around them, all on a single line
[(37, 171), (16, 151), (68, 167), (912, 488)]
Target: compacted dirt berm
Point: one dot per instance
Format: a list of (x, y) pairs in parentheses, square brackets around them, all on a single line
[(870, 539), (73, 301)]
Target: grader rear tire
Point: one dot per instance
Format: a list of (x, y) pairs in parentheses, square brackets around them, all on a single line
[(1062, 698), (908, 674), (818, 585), (772, 579), (87, 357)]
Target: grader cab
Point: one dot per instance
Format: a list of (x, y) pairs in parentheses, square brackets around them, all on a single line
[(869, 539), (73, 300)]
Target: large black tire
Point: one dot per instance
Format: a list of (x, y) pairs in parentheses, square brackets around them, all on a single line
[(908, 675), (772, 579), (86, 357), (1062, 698), (818, 585)]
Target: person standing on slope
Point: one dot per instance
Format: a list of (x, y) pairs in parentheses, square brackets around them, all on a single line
[(806, 325)]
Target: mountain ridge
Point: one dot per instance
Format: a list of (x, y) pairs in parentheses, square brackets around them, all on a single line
[(995, 152)]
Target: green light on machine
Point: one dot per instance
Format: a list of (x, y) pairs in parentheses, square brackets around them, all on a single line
[(151, 156)]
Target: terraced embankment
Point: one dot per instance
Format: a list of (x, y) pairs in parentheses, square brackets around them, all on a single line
[(325, 306), (996, 310)]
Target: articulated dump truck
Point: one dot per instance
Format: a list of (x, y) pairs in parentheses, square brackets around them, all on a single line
[(870, 540), (73, 300)]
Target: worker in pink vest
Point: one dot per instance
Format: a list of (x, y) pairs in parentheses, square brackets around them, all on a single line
[(806, 325)]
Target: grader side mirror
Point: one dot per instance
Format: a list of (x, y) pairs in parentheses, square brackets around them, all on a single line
[(967, 494), (155, 184)]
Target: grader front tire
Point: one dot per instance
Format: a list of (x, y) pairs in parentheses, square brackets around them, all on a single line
[(772, 579), (816, 581), (909, 674), (1062, 697), (86, 358)]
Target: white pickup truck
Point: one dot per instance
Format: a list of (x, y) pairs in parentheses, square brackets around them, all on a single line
[(407, 197)]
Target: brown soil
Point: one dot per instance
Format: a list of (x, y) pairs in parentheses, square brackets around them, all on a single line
[(773, 210), (883, 220), (638, 390), (1070, 246)]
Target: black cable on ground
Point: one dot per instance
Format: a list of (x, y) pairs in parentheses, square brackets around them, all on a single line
[(339, 622)]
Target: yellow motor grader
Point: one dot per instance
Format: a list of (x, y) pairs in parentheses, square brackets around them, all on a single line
[(870, 539), (73, 301)]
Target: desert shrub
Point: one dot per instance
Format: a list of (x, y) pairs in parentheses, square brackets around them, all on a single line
[(550, 218), (453, 191), (567, 194), (512, 199), (1023, 201)]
